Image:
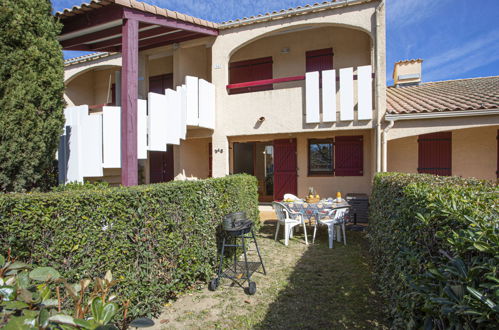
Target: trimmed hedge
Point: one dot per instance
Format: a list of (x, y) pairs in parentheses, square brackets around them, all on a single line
[(157, 239), (435, 242)]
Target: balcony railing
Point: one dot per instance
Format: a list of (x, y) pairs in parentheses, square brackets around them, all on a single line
[(325, 90)]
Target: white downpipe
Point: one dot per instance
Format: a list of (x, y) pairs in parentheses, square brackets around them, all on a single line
[(384, 164)]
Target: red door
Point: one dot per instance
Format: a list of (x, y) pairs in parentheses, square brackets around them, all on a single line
[(161, 163), (285, 169), (158, 84)]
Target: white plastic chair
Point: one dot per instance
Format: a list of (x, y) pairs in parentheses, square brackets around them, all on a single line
[(290, 219), (330, 219)]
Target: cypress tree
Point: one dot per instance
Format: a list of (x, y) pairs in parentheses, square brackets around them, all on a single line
[(31, 94)]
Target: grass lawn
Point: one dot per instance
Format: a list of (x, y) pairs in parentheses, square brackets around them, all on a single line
[(306, 287)]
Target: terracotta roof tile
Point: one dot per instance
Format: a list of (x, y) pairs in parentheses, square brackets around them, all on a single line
[(95, 4), (450, 95)]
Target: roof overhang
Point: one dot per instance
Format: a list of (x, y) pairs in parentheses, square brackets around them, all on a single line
[(99, 29), (446, 114)]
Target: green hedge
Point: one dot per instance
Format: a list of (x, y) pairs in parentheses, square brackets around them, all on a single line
[(158, 239), (435, 242)]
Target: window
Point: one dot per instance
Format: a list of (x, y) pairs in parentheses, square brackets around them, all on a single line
[(343, 156), (251, 70), (320, 157), (435, 153), (318, 60)]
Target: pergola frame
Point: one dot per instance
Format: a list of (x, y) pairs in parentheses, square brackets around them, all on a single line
[(115, 28)]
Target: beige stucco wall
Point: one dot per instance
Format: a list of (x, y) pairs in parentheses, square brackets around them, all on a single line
[(159, 66), (356, 34), (193, 158), (80, 91), (192, 61), (403, 155), (474, 153), (325, 185)]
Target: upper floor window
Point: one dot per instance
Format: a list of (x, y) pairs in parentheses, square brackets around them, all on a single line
[(318, 60), (250, 70)]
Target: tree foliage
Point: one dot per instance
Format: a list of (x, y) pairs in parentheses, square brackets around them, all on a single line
[(31, 93)]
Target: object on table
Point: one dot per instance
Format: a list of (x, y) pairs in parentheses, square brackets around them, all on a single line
[(291, 198)]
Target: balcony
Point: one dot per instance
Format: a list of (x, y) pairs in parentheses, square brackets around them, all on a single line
[(335, 98)]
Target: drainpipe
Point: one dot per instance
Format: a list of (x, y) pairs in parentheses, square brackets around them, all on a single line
[(380, 89), (384, 165)]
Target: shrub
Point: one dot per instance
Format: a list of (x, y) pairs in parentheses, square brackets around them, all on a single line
[(31, 94), (81, 186), (436, 246), (157, 239)]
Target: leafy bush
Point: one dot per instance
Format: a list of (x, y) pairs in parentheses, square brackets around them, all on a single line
[(436, 249), (28, 300), (81, 186), (158, 239), (31, 94)]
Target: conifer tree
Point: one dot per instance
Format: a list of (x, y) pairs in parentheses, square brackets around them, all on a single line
[(31, 94)]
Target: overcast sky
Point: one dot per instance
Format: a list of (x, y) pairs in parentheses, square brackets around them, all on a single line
[(455, 38)]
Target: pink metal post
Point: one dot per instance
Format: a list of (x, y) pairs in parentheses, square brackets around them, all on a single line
[(129, 95)]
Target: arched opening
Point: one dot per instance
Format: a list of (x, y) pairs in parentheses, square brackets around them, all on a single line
[(294, 51), (95, 86)]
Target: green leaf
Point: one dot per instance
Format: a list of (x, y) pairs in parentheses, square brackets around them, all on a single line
[(97, 309), (8, 293), (50, 303), (43, 318), (481, 297), (2, 260), (108, 312), (62, 319), (20, 323), (44, 274), (22, 280), (18, 266), (15, 304)]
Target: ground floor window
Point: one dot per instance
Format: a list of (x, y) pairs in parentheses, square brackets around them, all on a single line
[(435, 153), (339, 156), (320, 157)]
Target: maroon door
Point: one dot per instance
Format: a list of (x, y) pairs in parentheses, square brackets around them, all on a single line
[(285, 169), (161, 165), (158, 84)]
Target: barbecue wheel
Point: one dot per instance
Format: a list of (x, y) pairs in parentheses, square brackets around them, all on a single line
[(252, 288), (213, 284)]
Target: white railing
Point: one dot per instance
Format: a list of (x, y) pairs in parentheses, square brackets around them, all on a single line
[(92, 141), (346, 95)]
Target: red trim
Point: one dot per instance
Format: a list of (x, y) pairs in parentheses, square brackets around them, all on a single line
[(129, 13), (276, 81), (265, 82)]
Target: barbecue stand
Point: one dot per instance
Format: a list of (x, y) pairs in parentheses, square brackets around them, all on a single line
[(238, 226)]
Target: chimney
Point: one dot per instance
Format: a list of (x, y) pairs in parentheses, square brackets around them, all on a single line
[(407, 73)]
